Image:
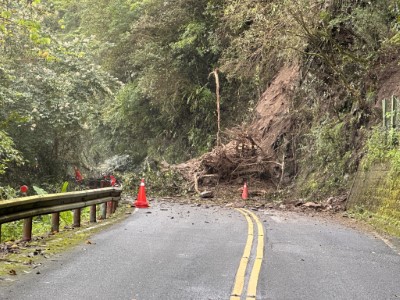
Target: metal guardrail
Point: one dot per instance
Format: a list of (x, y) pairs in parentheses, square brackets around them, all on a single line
[(28, 207)]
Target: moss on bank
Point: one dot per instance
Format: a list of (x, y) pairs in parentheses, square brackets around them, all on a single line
[(375, 195)]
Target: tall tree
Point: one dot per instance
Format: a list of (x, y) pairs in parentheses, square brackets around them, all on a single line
[(52, 91)]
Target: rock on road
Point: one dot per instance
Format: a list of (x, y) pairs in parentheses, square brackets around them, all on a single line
[(173, 251)]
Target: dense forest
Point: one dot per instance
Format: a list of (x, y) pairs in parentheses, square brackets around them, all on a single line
[(82, 81)]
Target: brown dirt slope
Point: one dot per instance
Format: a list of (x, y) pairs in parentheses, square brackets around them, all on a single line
[(258, 149)]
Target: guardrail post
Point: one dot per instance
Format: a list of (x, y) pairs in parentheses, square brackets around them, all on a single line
[(114, 206), (104, 211), (55, 222), (27, 227), (109, 208), (0, 232), (27, 230), (77, 217), (93, 214)]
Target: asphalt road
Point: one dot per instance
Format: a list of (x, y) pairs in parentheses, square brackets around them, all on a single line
[(173, 251), (310, 258)]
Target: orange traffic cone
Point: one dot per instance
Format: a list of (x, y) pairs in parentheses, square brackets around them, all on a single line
[(245, 193), (141, 201)]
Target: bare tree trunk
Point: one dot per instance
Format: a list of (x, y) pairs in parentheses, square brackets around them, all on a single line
[(215, 72)]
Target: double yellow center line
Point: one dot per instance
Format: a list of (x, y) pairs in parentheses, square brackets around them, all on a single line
[(255, 272)]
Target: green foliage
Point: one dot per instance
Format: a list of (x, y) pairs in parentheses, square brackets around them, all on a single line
[(7, 192), (167, 109), (41, 225), (166, 183), (382, 222), (383, 147), (39, 191), (327, 160), (132, 137), (375, 196), (340, 49), (377, 147), (8, 154), (11, 230), (64, 187), (66, 218), (165, 60), (191, 33), (158, 182), (51, 93), (15, 22), (58, 107)]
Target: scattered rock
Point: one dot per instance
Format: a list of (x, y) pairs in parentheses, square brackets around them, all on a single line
[(336, 203), (206, 194), (313, 205), (258, 193), (30, 262), (240, 204), (39, 264)]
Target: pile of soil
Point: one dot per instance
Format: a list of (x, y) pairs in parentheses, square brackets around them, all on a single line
[(260, 149)]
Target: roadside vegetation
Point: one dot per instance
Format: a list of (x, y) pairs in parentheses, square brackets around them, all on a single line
[(19, 258)]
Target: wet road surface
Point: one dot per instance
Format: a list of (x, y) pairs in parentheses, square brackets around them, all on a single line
[(173, 251)]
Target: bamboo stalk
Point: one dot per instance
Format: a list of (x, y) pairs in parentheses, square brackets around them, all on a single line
[(217, 87)]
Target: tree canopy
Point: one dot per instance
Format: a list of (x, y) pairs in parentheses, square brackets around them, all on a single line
[(81, 80)]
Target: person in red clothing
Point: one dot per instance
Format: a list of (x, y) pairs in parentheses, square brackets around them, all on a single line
[(78, 175), (113, 180)]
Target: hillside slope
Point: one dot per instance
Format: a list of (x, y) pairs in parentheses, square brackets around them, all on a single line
[(269, 148)]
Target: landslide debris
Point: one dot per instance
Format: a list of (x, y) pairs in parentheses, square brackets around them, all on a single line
[(261, 149)]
